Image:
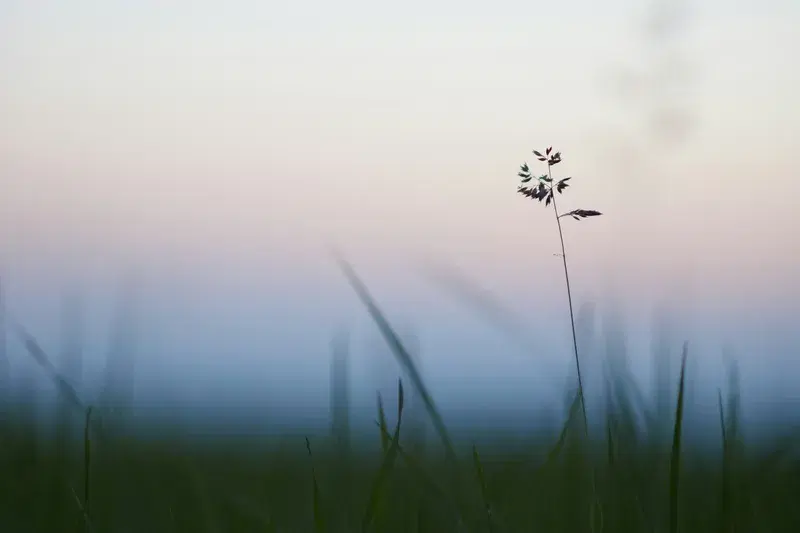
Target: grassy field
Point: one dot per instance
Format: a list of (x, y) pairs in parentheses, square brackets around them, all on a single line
[(637, 473), (633, 477), (556, 483)]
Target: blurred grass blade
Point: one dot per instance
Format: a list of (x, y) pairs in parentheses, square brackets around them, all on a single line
[(383, 426), (781, 450), (95, 424), (555, 451), (340, 400), (726, 524), (202, 494), (722, 420), (87, 460), (38, 355), (482, 483), (319, 519), (386, 465), (638, 398), (675, 458), (734, 402), (254, 510), (393, 340), (87, 521), (610, 441), (423, 477), (486, 304)]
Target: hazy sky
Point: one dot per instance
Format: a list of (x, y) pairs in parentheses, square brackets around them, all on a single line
[(219, 147)]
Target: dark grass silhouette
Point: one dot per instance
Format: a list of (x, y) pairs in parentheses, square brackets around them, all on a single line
[(178, 485), (545, 190)]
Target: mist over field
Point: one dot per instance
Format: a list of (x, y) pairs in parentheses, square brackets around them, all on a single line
[(267, 267), (193, 166)]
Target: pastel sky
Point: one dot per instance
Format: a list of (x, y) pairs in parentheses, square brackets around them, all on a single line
[(219, 148)]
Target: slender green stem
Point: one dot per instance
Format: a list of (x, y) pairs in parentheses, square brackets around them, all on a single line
[(571, 311), (596, 509)]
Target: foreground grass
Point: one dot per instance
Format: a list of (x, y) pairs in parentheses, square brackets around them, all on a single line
[(639, 474), (227, 485)]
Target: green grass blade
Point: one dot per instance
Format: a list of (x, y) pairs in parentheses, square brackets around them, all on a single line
[(726, 523), (734, 404), (98, 430), (482, 483), (610, 442), (423, 477), (319, 519), (781, 450), (675, 458), (386, 465), (400, 352), (87, 459), (555, 451), (87, 521), (558, 446), (254, 510), (37, 353), (205, 504), (638, 399), (722, 420), (383, 426), (64, 387), (611, 421)]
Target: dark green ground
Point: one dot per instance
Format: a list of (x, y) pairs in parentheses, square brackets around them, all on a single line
[(641, 471), (244, 485)]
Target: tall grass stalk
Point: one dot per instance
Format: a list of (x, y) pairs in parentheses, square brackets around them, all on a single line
[(545, 191), (571, 312), (675, 458), (87, 461)]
